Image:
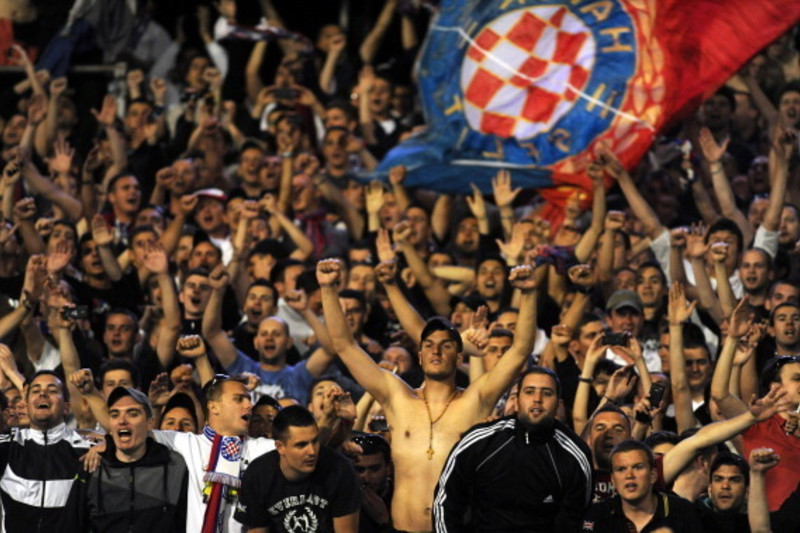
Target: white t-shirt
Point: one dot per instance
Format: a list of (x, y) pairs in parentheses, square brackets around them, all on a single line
[(195, 450)]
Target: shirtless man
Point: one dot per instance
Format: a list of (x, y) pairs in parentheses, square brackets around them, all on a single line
[(427, 422)]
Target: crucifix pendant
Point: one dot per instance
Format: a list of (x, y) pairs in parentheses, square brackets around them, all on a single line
[(430, 454)]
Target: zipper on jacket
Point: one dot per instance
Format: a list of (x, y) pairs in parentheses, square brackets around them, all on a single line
[(44, 484), (132, 493)]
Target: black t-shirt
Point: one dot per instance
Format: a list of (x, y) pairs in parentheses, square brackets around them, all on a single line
[(269, 500)]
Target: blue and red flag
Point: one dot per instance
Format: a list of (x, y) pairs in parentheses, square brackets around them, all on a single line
[(533, 86)]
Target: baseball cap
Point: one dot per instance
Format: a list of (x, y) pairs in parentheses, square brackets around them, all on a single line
[(181, 399), (214, 193), (624, 298), (138, 396)]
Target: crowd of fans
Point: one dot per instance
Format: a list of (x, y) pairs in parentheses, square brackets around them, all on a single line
[(211, 321)]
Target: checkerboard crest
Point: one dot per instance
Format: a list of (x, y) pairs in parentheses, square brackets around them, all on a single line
[(516, 74)]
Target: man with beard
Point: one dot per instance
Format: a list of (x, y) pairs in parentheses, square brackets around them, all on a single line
[(479, 482), (272, 341), (427, 422)]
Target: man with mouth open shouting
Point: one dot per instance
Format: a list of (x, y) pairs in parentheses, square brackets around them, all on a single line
[(427, 422), (39, 466), (140, 485), (637, 507), (217, 457)]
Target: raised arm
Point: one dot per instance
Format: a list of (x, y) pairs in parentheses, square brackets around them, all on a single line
[(713, 153), (103, 237), (739, 324), (779, 157), (585, 247), (155, 260), (220, 344), (681, 455), (495, 382), (83, 381), (193, 347), (641, 209), (504, 197), (378, 382), (760, 461), (727, 300), (696, 250), (434, 289), (678, 313), (386, 274), (371, 43)]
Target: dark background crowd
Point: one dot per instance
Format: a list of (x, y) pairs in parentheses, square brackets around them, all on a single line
[(173, 172)]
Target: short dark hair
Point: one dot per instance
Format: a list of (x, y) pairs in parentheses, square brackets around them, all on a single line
[(631, 445), (653, 264), (792, 87), (123, 311), (112, 183), (501, 332), (261, 282), (212, 391), (352, 294), (726, 224), (119, 364), (779, 307), (609, 408), (693, 338), (541, 370), (372, 444), (64, 389), (662, 437), (291, 416), (732, 459), (729, 95), (440, 323), (144, 228)]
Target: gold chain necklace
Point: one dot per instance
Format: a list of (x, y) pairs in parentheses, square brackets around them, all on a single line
[(430, 451)]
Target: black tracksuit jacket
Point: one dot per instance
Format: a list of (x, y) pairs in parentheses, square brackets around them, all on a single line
[(502, 476)]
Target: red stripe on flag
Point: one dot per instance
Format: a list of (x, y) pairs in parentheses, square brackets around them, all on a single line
[(527, 31), (486, 40), (482, 88), (539, 105), (497, 124), (568, 45)]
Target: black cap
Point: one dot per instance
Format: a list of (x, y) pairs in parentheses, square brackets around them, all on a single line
[(181, 399), (138, 396)]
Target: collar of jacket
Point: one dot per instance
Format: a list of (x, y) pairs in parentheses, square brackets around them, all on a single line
[(534, 435), (154, 454), (48, 436)]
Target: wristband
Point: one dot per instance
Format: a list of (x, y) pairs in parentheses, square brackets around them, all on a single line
[(582, 289), (585, 380), (609, 400)]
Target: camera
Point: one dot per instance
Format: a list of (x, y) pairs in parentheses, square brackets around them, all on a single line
[(79, 312), (615, 339)]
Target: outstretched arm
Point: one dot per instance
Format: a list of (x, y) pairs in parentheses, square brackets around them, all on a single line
[(679, 312), (681, 455), (221, 345), (83, 381), (494, 383), (378, 382), (639, 205), (740, 323)]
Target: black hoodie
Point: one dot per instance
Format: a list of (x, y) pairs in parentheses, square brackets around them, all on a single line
[(145, 495)]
